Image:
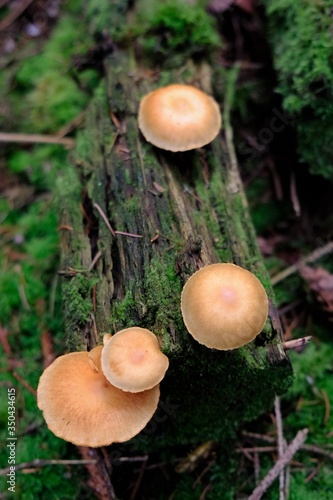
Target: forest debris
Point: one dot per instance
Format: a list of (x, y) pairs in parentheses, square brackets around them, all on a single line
[(294, 446), (14, 14), (38, 463), (318, 253), (37, 139), (202, 452), (294, 195), (24, 383), (47, 348), (105, 219), (280, 443), (158, 188), (296, 343), (139, 479), (313, 473), (99, 480), (320, 283)]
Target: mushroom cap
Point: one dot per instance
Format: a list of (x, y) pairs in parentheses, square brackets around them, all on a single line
[(132, 360), (179, 118), (224, 306), (81, 406)]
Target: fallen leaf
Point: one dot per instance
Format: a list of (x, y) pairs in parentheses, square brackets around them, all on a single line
[(320, 282)]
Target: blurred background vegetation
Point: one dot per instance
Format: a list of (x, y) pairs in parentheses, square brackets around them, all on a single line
[(281, 54)]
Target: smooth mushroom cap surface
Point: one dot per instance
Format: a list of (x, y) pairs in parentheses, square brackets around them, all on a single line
[(179, 118), (81, 406), (132, 360), (224, 306)]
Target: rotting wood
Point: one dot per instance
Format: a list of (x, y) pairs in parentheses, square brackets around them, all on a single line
[(198, 216)]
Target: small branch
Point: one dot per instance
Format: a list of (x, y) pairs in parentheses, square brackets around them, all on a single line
[(296, 343), (256, 449), (139, 480), (38, 462), (312, 257), (280, 442), (317, 450), (105, 219), (279, 465), (25, 383), (132, 235), (14, 14), (37, 139)]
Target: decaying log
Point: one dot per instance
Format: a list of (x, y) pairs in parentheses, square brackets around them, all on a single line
[(170, 214)]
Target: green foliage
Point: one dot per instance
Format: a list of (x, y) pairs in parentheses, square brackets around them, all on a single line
[(30, 304), (41, 95), (301, 39), (173, 28), (305, 408), (41, 165), (49, 80)]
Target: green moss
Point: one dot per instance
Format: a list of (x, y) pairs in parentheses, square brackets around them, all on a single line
[(51, 94), (124, 312), (76, 293), (174, 31), (107, 16), (162, 291), (302, 44)]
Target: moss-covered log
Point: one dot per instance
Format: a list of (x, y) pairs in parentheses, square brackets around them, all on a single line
[(170, 214)]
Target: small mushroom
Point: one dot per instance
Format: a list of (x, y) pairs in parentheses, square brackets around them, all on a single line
[(179, 118), (132, 360), (81, 406), (224, 306)]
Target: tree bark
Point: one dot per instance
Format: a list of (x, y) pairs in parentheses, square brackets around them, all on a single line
[(181, 211)]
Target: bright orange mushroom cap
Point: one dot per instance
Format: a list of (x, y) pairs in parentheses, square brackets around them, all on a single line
[(179, 118), (132, 360), (81, 406), (224, 306)]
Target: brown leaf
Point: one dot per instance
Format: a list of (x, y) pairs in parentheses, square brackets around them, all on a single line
[(320, 283)]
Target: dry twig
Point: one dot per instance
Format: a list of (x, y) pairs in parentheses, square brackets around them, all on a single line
[(312, 257), (37, 139), (37, 463), (279, 465), (296, 343)]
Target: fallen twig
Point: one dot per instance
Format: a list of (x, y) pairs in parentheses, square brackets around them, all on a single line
[(105, 219), (280, 442), (37, 139), (14, 14), (312, 257), (296, 343), (38, 462), (279, 465)]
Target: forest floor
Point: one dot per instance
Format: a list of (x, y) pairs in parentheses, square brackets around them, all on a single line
[(48, 74)]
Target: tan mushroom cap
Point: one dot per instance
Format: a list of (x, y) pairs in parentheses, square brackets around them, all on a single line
[(224, 306), (81, 406), (179, 118), (132, 360)]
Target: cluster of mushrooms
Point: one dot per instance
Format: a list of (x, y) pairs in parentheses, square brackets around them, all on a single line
[(109, 394)]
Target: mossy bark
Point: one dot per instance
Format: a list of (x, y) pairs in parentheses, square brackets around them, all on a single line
[(180, 211)]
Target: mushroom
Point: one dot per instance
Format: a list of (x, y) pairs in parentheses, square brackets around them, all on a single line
[(132, 360), (224, 306), (81, 406), (179, 118)]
